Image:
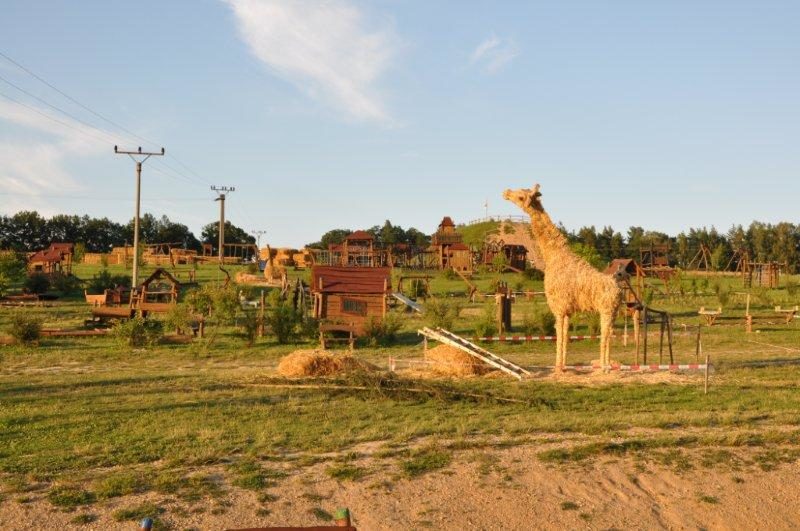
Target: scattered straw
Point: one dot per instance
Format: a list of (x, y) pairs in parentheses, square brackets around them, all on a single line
[(320, 363), (450, 361)]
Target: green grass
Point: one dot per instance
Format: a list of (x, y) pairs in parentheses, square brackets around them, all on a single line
[(569, 506), (76, 408), (346, 472), (425, 460), (83, 519), (138, 512)]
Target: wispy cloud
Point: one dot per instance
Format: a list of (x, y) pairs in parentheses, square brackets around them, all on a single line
[(493, 54), (323, 47), (37, 166)]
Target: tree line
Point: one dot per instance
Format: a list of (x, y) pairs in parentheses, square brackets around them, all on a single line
[(763, 242), (28, 231)]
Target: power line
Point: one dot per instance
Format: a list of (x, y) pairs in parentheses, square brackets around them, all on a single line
[(89, 109)]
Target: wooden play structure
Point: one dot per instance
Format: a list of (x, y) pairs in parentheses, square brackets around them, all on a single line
[(761, 274), (357, 250), (350, 295), (515, 256), (158, 293), (654, 261), (448, 248), (701, 261), (56, 259), (232, 253)]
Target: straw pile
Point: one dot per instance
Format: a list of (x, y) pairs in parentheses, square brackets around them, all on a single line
[(320, 363), (450, 361)]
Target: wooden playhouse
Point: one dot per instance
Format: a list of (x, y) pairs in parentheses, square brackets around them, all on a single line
[(350, 295)]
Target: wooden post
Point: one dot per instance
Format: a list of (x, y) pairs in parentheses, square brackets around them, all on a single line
[(661, 340), (669, 338), (697, 344), (705, 383), (644, 321), (261, 324), (625, 333)]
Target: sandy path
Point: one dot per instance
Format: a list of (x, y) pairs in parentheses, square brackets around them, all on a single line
[(495, 489)]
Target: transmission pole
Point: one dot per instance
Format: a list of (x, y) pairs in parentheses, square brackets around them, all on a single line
[(258, 234), (222, 191), (136, 156)]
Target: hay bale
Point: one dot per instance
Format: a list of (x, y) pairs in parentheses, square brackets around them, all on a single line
[(320, 363), (450, 361)]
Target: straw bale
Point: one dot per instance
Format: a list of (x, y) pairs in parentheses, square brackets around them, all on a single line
[(450, 361), (320, 363)]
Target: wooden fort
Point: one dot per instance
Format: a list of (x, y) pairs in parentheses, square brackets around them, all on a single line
[(350, 295), (55, 259), (448, 247)]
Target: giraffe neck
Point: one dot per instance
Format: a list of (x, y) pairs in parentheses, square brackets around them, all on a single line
[(550, 240)]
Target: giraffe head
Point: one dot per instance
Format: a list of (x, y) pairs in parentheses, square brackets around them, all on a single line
[(525, 198)]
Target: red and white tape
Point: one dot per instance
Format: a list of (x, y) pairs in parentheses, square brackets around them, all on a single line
[(520, 339), (639, 368)]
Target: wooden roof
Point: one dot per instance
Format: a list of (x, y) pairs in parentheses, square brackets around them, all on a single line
[(362, 280), (159, 274), (458, 247), (447, 222), (626, 264), (54, 253), (360, 235)]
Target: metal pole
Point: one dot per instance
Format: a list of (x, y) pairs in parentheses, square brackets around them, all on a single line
[(134, 155), (136, 225), (221, 228)]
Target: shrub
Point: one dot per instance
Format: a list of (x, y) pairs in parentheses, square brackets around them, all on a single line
[(382, 331), (13, 268), (177, 318), (450, 274), (252, 268), (723, 295), (66, 284), (138, 332), (249, 322), (281, 318), (37, 283), (593, 323), (441, 314), (541, 323), (309, 328), (791, 287), (533, 274), (487, 326), (105, 280), (25, 328)]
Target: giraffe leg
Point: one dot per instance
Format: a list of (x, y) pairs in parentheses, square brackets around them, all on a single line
[(564, 339), (559, 336), (605, 340)]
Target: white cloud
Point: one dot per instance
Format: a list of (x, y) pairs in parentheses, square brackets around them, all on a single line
[(36, 166), (324, 47), (493, 54)]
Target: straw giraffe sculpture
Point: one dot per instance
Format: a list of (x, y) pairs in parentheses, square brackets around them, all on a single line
[(570, 283)]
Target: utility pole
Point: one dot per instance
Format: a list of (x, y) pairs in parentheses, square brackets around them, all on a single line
[(258, 234), (222, 191), (136, 157)]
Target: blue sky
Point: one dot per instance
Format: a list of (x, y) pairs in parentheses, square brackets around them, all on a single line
[(345, 113)]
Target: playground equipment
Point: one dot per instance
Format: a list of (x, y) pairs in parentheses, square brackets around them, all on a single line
[(448, 338)]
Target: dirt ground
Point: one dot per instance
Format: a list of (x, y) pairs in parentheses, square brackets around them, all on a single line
[(506, 488)]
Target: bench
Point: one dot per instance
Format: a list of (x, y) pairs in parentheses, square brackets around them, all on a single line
[(710, 316), (335, 327), (97, 300)]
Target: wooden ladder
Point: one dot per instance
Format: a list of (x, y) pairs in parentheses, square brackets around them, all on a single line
[(448, 338)]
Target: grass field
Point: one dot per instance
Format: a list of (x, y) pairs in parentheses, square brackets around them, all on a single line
[(84, 420)]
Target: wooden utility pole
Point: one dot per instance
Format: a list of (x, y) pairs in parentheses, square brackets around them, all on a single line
[(135, 156), (222, 192)]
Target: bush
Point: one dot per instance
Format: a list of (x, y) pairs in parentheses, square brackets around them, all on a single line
[(37, 283), (723, 295), (382, 331), (252, 268), (66, 284), (593, 323), (309, 328), (138, 332), (105, 280), (791, 287), (541, 323), (450, 274), (249, 322), (533, 274), (13, 268), (487, 326), (25, 328), (441, 314), (281, 318)]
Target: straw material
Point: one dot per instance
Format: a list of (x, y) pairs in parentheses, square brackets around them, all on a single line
[(450, 361), (320, 363)]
